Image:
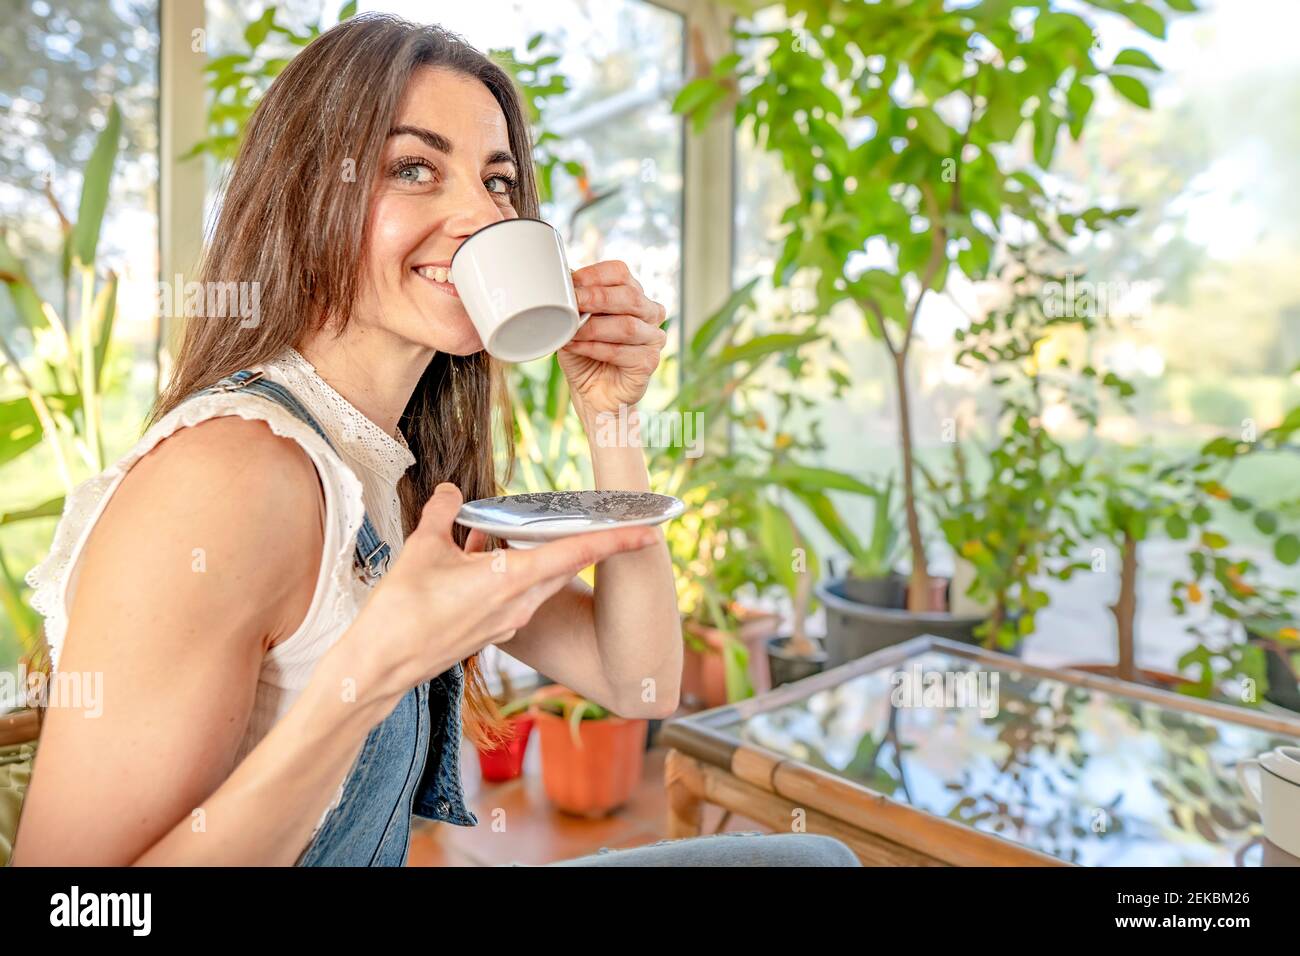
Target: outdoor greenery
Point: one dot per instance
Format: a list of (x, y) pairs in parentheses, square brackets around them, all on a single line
[(912, 110), (63, 386)]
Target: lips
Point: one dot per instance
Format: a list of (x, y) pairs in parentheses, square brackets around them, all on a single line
[(439, 274)]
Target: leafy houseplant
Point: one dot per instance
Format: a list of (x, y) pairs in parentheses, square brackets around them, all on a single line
[(591, 759), (61, 403), (794, 656), (870, 577), (1239, 597), (727, 382), (1020, 524), (907, 106)]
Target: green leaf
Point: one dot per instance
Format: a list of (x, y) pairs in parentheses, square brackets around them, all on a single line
[(26, 302), (1079, 100), (1177, 527), (1287, 549), (46, 509), (694, 94), (1183, 6), (932, 131), (102, 322), (1144, 17), (1266, 522), (763, 345), (706, 334), (1136, 57), (808, 477), (94, 189), (348, 10), (1132, 90), (258, 30), (1046, 126)]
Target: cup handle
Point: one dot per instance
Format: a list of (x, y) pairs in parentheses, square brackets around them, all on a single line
[(1252, 792), (582, 318)]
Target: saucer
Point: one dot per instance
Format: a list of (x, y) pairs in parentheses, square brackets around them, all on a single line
[(531, 518)]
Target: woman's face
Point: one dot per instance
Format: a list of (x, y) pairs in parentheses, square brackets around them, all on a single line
[(446, 172)]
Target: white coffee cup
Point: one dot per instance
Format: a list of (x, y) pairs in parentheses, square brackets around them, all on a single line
[(515, 282), (1276, 795)]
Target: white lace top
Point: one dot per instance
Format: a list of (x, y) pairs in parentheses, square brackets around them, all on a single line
[(362, 477)]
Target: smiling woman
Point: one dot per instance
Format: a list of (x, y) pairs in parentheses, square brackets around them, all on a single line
[(286, 617)]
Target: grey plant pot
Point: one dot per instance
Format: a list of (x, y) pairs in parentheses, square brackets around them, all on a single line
[(855, 629), (888, 591), (786, 668)]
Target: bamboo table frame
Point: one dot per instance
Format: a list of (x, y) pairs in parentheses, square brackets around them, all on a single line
[(705, 765)]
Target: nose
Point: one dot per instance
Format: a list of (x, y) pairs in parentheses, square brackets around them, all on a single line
[(474, 208)]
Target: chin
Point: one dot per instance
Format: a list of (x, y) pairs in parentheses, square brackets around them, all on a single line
[(452, 334)]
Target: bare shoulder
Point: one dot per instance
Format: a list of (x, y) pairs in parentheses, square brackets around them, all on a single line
[(221, 513)]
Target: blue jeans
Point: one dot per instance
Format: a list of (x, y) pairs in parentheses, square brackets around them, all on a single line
[(746, 848)]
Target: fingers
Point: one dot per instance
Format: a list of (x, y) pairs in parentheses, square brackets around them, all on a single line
[(608, 272), (477, 541), (624, 299), (564, 558), (440, 512), (643, 358), (626, 329)]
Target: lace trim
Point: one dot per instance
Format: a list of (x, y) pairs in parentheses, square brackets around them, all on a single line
[(369, 445), (49, 579)]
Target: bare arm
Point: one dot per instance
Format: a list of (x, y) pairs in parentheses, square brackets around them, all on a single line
[(179, 653), (620, 645), (206, 554)]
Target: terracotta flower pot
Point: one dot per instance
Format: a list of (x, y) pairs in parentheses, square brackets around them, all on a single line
[(704, 675), (506, 761), (596, 774)]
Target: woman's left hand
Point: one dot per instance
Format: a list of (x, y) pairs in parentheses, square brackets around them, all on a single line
[(610, 361)]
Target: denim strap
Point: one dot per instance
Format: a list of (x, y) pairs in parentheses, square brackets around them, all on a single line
[(372, 552)]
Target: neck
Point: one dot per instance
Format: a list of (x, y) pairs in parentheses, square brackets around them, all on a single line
[(375, 371)]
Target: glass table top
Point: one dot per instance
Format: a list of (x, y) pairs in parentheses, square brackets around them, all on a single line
[(1084, 775)]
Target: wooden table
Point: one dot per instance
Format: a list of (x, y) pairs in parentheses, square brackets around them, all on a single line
[(909, 759)]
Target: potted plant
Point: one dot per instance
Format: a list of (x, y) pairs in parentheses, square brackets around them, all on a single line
[(592, 759), (916, 169), (740, 457), (794, 656), (504, 759), (870, 577)]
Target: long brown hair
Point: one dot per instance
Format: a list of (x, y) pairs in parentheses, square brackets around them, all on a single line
[(294, 220)]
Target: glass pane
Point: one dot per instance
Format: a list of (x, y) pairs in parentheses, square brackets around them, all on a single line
[(1205, 297), (1080, 774)]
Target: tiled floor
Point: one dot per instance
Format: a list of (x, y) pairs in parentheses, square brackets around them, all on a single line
[(518, 825)]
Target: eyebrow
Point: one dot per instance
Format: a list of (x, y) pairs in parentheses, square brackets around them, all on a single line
[(443, 145)]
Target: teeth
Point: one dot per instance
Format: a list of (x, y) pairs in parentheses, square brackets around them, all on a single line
[(436, 273)]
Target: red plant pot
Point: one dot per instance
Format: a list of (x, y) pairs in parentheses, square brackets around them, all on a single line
[(506, 762)]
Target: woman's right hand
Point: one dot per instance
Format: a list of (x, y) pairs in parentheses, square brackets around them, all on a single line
[(439, 603)]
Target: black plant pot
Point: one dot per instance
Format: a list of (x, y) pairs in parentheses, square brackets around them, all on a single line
[(786, 668), (888, 591), (1283, 689), (855, 629)]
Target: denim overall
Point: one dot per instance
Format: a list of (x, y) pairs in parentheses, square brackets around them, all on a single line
[(410, 762)]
